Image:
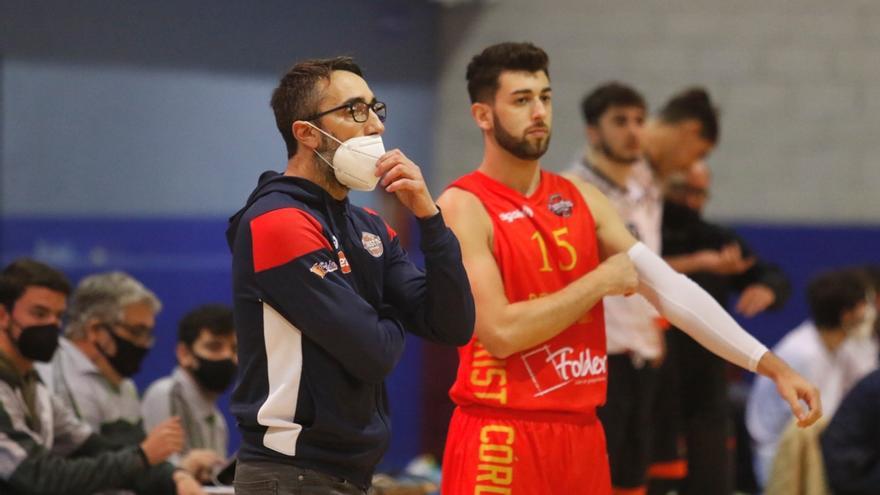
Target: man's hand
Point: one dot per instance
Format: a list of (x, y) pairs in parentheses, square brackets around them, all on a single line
[(621, 278), (186, 484), (726, 261), (793, 388), (404, 178), (755, 299), (165, 439), (200, 463)]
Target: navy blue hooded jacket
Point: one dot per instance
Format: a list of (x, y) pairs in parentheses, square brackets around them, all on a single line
[(323, 293)]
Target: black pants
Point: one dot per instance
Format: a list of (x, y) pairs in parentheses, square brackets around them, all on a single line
[(693, 417), (626, 417), (267, 478)]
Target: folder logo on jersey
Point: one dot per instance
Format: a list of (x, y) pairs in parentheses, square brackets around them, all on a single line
[(554, 369)]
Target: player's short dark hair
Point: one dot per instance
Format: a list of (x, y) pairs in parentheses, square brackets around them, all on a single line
[(611, 94), (693, 104), (215, 318), (485, 67), (831, 293), (25, 272), (296, 97)]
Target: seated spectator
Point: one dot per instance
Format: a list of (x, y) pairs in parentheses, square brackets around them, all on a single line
[(851, 442), (819, 350), (44, 447), (108, 335), (207, 361)]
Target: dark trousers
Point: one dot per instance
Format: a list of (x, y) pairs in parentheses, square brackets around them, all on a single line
[(267, 478), (693, 417), (626, 417)]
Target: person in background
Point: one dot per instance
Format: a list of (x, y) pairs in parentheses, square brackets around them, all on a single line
[(44, 447), (690, 451), (207, 362), (109, 333), (819, 349)]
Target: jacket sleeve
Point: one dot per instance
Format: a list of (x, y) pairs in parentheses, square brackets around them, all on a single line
[(29, 468), (437, 303), (299, 276), (763, 273), (851, 443)]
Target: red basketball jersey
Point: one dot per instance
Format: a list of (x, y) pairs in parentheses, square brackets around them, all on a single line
[(541, 244)]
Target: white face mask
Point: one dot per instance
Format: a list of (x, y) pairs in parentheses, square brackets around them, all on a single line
[(354, 162), (865, 328)]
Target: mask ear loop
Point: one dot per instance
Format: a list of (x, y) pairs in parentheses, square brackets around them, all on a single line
[(322, 131)]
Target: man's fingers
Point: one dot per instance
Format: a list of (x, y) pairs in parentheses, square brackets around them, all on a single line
[(403, 185), (811, 397)]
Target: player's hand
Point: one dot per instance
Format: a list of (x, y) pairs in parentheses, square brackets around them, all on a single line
[(185, 484), (201, 463), (793, 388), (404, 178), (621, 277), (755, 299), (163, 440)]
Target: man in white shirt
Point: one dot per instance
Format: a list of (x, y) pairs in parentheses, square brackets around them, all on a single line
[(820, 349), (627, 159)]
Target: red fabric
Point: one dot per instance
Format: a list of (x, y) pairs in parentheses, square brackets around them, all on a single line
[(280, 236), (542, 243), (503, 455)]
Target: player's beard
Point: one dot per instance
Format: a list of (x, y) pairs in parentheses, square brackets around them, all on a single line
[(521, 148), (327, 149), (615, 157)]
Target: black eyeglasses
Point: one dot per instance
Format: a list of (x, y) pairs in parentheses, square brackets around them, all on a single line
[(359, 110)]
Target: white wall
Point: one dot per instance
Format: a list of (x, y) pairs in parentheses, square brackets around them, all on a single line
[(798, 82)]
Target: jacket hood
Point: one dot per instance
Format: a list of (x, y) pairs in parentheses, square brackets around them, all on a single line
[(301, 189)]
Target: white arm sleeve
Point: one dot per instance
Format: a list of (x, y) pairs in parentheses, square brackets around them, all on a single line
[(690, 308)]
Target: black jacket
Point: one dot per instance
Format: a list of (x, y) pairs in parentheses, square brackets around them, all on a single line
[(323, 294), (851, 442)]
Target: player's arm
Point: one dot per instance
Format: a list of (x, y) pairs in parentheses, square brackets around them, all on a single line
[(690, 308), (505, 328)]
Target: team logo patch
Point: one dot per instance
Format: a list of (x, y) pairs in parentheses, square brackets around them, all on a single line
[(560, 206), (322, 268), (372, 243), (343, 262)]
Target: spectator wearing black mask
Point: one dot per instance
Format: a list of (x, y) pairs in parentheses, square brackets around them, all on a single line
[(207, 362), (44, 447)]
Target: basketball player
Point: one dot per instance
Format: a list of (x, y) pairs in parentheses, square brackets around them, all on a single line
[(533, 245)]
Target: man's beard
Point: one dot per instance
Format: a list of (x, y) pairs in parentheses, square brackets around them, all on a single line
[(520, 148), (606, 150), (327, 149)]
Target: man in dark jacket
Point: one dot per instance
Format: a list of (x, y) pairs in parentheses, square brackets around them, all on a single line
[(44, 447), (851, 442), (323, 291), (694, 406)]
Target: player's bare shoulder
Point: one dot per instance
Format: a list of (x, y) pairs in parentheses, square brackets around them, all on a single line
[(465, 214)]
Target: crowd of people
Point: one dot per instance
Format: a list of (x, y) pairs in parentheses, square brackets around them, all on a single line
[(588, 310)]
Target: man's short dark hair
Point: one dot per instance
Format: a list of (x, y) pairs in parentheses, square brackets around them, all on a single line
[(296, 96), (612, 94), (216, 318), (693, 104), (24, 273), (831, 293), (484, 68)]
